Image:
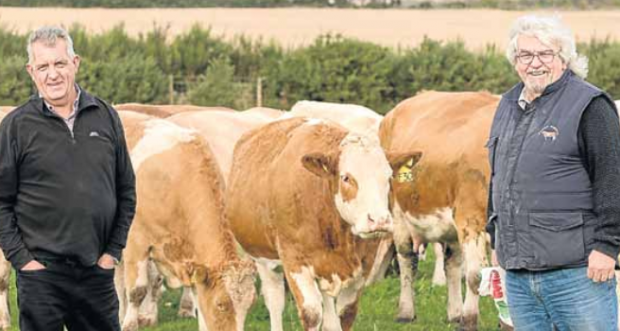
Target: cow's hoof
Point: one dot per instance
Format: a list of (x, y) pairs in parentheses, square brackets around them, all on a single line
[(504, 327), (144, 321), (132, 326), (469, 323), (186, 313), (404, 320)]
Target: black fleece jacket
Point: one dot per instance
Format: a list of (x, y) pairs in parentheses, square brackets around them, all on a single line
[(64, 194)]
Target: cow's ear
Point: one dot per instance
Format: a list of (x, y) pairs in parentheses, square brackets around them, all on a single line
[(403, 162), (322, 165)]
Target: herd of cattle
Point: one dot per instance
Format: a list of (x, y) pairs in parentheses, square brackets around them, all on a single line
[(315, 196)]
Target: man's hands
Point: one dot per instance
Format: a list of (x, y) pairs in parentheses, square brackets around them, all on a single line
[(600, 267), (106, 261), (494, 262), (32, 266)]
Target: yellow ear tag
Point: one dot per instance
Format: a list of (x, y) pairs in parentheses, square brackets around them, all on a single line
[(193, 279), (325, 168), (405, 173)]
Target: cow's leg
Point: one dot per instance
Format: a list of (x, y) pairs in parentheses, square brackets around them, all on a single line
[(439, 274), (475, 257), (347, 302), (202, 325), (5, 274), (148, 307), (136, 286), (405, 255), (186, 305), (308, 297), (119, 284), (331, 322), (385, 254), (272, 288), (454, 274)]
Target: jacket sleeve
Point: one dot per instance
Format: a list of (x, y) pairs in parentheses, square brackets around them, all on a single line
[(125, 192), (599, 131), (10, 237)]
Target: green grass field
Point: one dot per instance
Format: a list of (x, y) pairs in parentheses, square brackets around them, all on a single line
[(377, 310)]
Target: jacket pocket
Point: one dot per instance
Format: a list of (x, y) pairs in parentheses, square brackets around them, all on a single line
[(491, 145), (557, 238)]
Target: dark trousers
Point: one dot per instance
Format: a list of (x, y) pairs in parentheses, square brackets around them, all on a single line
[(67, 294)]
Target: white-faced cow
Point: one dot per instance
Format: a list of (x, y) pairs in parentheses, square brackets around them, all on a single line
[(299, 192), (443, 197), (180, 225)]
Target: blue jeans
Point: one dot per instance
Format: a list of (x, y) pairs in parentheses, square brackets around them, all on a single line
[(565, 298)]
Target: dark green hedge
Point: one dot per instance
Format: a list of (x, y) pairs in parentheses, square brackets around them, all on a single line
[(204, 69)]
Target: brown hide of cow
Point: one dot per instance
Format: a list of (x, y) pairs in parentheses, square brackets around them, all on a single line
[(295, 207), (451, 130), (163, 111)]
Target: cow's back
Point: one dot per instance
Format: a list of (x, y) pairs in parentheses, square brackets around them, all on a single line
[(163, 111), (222, 130), (446, 126), (268, 174), (133, 125)]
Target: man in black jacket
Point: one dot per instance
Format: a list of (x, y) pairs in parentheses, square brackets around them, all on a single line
[(67, 195), (554, 202)]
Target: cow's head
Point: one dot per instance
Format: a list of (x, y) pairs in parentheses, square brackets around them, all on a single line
[(225, 294), (359, 173)]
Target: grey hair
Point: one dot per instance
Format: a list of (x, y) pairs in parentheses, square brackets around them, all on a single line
[(550, 31), (48, 35)]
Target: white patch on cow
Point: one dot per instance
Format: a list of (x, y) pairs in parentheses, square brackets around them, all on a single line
[(312, 298), (475, 257), (314, 121), (331, 321), (272, 288), (239, 283), (362, 158), (438, 226), (159, 136), (348, 295)]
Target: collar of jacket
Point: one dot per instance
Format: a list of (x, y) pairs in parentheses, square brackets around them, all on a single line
[(513, 94), (86, 101)]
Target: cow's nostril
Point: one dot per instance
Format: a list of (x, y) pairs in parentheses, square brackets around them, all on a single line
[(371, 220)]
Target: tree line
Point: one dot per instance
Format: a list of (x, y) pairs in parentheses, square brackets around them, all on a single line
[(201, 68)]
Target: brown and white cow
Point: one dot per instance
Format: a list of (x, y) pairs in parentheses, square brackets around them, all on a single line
[(5, 275), (299, 192), (163, 111), (221, 130), (444, 197), (180, 225), (364, 120)]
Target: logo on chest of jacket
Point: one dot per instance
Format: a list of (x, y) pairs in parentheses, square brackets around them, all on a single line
[(93, 134), (549, 133)]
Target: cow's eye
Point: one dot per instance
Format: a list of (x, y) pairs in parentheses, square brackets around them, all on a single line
[(345, 179)]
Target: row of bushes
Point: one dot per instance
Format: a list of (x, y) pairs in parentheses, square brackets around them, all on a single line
[(207, 70)]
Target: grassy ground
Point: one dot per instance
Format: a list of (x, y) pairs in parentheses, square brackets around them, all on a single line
[(376, 313)]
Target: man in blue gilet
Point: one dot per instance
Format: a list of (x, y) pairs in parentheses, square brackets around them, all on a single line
[(554, 211)]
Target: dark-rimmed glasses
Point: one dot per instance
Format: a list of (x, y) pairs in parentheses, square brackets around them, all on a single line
[(544, 57)]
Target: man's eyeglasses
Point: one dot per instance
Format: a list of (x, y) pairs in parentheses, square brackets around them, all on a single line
[(544, 57)]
